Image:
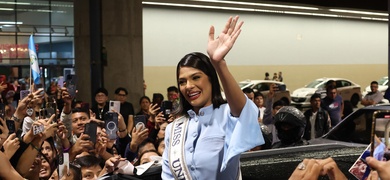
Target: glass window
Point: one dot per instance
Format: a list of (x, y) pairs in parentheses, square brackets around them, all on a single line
[(51, 23)]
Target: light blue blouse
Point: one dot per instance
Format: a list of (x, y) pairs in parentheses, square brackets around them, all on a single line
[(214, 141)]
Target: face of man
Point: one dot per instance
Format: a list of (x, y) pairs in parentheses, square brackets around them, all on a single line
[(331, 93), (121, 96), (79, 119), (374, 87), (251, 96), (91, 173), (101, 98), (315, 103)]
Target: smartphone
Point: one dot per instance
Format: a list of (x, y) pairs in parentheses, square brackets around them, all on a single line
[(91, 130), (166, 108), (63, 161), (71, 82), (380, 129), (140, 122), (115, 105), (157, 99), (51, 108), (60, 81), (10, 126), (24, 93), (111, 124)]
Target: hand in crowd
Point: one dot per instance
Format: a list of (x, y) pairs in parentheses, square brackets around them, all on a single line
[(62, 133), (101, 142), (311, 169), (381, 169), (153, 109), (82, 144), (49, 128), (121, 125), (159, 118), (11, 145), (138, 135), (111, 164), (4, 132), (28, 101), (271, 92)]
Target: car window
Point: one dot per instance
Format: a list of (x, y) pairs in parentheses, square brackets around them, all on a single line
[(355, 128), (261, 87), (383, 81), (314, 84), (242, 84)]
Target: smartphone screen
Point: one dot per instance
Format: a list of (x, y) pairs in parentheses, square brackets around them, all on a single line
[(60, 81), (157, 99), (166, 108), (115, 105), (111, 124), (71, 81), (91, 130), (140, 122)]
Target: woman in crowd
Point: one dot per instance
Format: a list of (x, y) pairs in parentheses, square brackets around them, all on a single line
[(210, 128)]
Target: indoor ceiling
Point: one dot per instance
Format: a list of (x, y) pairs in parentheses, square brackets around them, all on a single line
[(374, 5)]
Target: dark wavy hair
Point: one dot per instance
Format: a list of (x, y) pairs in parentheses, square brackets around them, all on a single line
[(200, 61)]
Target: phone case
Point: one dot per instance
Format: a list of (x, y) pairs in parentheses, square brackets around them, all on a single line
[(38, 129), (71, 81), (115, 105), (111, 125), (24, 93), (140, 122), (91, 130), (166, 108), (63, 162)]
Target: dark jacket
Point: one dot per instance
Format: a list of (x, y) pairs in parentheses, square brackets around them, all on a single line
[(321, 126)]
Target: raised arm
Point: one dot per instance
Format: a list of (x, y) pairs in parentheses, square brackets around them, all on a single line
[(217, 49)]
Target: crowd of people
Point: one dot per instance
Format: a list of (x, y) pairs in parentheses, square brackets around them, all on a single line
[(198, 138), (275, 77)]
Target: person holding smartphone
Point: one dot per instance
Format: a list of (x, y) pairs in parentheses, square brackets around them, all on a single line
[(206, 138)]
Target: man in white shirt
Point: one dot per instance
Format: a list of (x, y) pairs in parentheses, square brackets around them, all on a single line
[(373, 97)]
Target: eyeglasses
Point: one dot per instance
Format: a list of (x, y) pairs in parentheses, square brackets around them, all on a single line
[(123, 95)]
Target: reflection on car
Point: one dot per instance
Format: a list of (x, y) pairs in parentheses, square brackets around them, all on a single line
[(344, 143), (347, 89), (263, 86)]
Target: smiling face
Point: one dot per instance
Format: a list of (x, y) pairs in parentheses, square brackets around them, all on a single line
[(45, 170), (195, 86)]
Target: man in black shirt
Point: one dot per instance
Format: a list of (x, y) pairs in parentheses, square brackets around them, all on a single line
[(100, 108)]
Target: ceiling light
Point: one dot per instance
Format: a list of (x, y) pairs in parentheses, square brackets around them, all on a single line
[(359, 12), (260, 4), (10, 22), (6, 9)]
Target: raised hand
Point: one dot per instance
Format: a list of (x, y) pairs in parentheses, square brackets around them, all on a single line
[(218, 47), (11, 145)]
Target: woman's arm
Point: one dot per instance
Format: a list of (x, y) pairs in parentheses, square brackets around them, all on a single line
[(217, 49)]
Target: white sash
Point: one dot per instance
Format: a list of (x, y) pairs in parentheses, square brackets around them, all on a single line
[(176, 154)]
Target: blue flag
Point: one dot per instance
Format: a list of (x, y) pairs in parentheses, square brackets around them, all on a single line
[(34, 61)]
